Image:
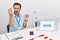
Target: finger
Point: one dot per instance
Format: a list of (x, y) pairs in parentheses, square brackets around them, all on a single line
[(9, 9), (26, 15)]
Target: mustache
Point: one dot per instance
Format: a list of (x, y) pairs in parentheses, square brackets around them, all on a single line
[(16, 12)]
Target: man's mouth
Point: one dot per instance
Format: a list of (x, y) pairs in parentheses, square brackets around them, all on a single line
[(16, 12)]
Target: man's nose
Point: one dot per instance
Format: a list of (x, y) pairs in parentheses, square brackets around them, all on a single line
[(15, 9)]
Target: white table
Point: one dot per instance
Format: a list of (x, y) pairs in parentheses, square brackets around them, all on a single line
[(26, 36), (25, 33)]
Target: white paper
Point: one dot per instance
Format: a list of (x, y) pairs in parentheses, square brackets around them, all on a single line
[(3, 37)]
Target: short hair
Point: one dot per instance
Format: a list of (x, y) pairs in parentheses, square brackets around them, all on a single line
[(16, 4)]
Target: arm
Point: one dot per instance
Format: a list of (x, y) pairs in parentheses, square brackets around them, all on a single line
[(25, 20), (11, 22), (25, 23)]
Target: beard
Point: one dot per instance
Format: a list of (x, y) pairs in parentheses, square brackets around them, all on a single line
[(16, 12)]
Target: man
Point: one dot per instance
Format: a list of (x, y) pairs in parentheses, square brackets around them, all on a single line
[(17, 21)]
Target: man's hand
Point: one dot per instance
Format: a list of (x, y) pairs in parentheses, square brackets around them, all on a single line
[(11, 22), (26, 17), (10, 11)]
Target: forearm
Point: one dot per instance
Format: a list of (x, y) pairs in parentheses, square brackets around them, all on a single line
[(11, 22), (25, 23)]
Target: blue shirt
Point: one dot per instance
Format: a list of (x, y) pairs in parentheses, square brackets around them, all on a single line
[(17, 26)]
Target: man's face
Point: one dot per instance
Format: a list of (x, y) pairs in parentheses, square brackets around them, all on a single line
[(17, 9)]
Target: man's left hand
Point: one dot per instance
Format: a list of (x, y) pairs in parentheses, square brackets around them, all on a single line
[(26, 17)]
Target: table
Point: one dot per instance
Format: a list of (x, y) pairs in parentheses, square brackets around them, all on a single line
[(25, 34)]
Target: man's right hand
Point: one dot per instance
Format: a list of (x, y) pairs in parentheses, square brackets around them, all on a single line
[(10, 11), (11, 22)]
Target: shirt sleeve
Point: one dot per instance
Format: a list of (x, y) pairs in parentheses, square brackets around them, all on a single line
[(11, 29), (14, 27)]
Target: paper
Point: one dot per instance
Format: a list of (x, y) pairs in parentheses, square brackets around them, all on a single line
[(13, 35), (3, 37)]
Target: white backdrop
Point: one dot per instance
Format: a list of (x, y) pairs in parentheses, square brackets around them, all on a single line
[(45, 9)]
